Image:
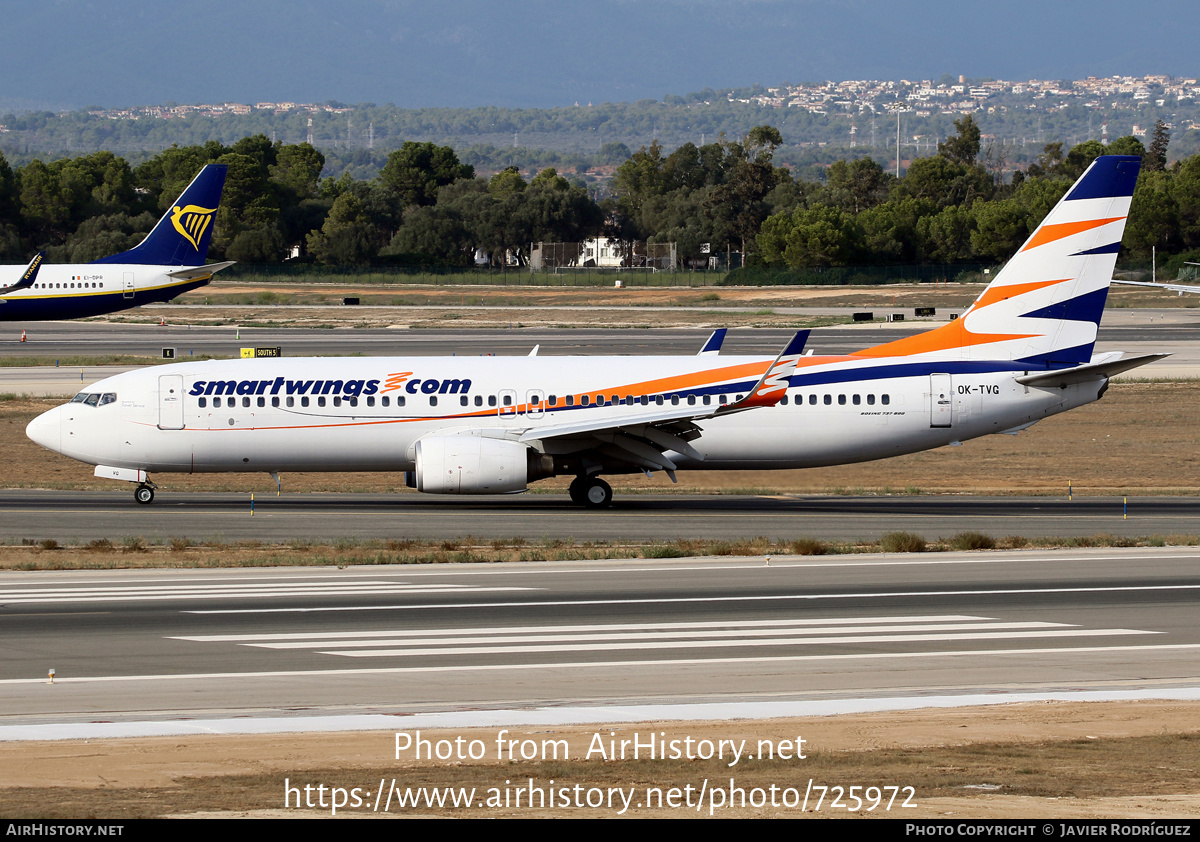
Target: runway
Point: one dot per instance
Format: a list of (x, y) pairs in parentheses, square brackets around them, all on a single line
[(80, 516), (169, 644)]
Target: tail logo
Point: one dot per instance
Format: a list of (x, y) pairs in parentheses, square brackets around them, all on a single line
[(191, 221)]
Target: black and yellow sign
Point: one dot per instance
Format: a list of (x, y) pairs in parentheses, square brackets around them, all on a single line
[(253, 353)]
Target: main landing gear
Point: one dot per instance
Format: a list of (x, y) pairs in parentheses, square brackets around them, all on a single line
[(144, 493), (592, 492)]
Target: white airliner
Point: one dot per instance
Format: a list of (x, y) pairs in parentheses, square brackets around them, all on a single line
[(492, 425), (168, 262)]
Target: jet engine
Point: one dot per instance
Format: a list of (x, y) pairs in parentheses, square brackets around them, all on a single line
[(470, 465)]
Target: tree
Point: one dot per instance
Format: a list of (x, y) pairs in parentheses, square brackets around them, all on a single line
[(415, 171), (1156, 154), (963, 148)]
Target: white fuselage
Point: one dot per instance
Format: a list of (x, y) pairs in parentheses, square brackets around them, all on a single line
[(330, 414)]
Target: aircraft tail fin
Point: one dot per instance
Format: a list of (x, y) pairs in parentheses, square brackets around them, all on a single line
[(1044, 306), (181, 237)]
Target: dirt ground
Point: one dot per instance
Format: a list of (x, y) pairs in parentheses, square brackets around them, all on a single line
[(1045, 760), (471, 307)]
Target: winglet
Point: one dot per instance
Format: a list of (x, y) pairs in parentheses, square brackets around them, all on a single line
[(774, 383), (713, 345), (28, 276)]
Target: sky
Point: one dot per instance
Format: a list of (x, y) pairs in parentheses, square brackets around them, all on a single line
[(66, 54)]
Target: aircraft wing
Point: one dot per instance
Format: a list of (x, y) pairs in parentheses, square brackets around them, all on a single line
[(1179, 288), (189, 273), (642, 438), (28, 276)]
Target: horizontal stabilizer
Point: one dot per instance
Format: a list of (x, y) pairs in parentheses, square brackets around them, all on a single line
[(1081, 373), (195, 272)]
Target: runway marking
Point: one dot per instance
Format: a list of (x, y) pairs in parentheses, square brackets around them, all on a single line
[(710, 624), (974, 654), (145, 593), (657, 637), (705, 599)]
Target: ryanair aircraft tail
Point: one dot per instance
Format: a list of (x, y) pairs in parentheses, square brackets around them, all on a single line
[(1044, 307), (181, 237)]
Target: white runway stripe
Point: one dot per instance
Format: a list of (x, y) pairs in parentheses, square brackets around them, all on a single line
[(598, 627), (511, 640), (252, 591), (724, 644)]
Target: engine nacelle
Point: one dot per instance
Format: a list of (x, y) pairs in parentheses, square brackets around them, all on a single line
[(470, 465)]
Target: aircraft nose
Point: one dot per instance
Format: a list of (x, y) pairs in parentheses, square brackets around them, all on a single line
[(46, 430)]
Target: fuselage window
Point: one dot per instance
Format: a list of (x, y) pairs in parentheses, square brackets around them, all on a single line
[(599, 400), (691, 400), (508, 400), (870, 400), (615, 399), (291, 401), (352, 401), (304, 401), (203, 402), (857, 400), (491, 400), (645, 400), (783, 400), (552, 401), (885, 399), (812, 400), (724, 400), (707, 400), (463, 400), (658, 400), (216, 402), (275, 402), (828, 400), (246, 402), (432, 400), (321, 401), (337, 400), (841, 400), (674, 400), (401, 400), (371, 400), (384, 401), (584, 400), (479, 400), (262, 402)]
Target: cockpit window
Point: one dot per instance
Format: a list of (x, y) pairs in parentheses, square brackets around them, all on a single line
[(95, 398)]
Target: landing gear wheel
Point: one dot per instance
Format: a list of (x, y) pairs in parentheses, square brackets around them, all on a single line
[(597, 494), (577, 490), (143, 494)]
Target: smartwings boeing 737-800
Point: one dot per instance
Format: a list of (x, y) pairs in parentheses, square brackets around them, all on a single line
[(168, 262), (492, 425)]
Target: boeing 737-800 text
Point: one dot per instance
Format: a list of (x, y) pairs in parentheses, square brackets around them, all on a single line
[(491, 425)]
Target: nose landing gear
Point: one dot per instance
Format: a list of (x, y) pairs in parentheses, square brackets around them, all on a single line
[(144, 493)]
